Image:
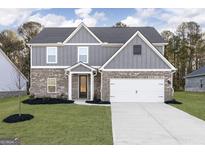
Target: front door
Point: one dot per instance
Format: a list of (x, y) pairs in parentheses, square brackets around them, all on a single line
[(83, 86)]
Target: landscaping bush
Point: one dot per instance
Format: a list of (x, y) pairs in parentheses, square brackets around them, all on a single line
[(47, 100), (173, 101), (97, 101)]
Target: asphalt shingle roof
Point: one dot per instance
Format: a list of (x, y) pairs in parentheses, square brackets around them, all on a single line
[(199, 72), (105, 34)]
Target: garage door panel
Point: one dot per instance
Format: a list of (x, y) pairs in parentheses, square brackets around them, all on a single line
[(136, 90)]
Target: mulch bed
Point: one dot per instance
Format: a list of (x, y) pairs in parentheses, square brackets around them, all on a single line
[(173, 101), (16, 118), (36, 101), (97, 101)]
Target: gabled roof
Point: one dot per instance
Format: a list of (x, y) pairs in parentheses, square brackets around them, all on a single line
[(6, 57), (77, 29), (138, 33), (79, 64), (199, 72), (104, 34)]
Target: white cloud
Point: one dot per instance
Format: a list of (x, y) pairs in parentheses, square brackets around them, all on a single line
[(83, 15), (165, 19), (14, 16), (139, 18)]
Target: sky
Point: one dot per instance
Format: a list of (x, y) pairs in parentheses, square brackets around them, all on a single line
[(161, 19)]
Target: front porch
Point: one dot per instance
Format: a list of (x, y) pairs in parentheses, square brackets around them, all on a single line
[(81, 81)]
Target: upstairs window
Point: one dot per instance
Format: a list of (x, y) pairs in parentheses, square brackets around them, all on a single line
[(51, 85), (83, 54), (137, 50), (51, 55)]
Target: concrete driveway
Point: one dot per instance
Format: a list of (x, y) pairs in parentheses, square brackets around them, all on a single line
[(155, 123)]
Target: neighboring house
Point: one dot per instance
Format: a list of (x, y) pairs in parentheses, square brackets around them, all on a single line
[(12, 81), (110, 63), (195, 81)]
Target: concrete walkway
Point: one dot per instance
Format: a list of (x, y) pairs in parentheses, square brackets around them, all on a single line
[(155, 123)]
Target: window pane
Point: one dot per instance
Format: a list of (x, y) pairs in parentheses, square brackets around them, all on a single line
[(51, 89), (51, 82), (83, 58), (83, 54), (82, 51), (51, 54), (52, 58), (52, 51)]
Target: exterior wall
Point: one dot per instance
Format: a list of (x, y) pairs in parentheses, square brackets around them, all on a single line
[(38, 82), (67, 55), (193, 84), (147, 60), (80, 68), (106, 76), (9, 76), (75, 86), (160, 49), (97, 84), (82, 36), (11, 93)]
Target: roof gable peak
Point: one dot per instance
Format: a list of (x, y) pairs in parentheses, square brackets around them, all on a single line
[(81, 25)]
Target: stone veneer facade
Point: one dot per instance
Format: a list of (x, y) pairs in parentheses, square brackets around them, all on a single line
[(38, 86), (39, 83), (106, 76)]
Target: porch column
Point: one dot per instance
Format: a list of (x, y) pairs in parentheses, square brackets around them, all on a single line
[(70, 86), (91, 86)]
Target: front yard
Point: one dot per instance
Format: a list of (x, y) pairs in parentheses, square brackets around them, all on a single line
[(57, 124), (192, 103)]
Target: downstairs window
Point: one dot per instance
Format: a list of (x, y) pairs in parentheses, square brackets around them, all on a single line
[(51, 85)]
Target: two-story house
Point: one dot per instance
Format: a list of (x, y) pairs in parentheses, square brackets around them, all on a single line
[(111, 63)]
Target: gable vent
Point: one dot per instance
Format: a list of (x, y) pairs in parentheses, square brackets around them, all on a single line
[(137, 49)]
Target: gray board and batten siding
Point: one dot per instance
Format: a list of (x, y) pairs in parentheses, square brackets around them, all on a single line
[(127, 60), (82, 36), (67, 55)]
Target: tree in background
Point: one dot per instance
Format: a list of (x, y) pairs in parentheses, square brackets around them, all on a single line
[(14, 44), (28, 31), (185, 50), (120, 24)]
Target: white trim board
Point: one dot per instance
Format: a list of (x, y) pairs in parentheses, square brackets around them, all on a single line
[(46, 44), (148, 43), (143, 70), (160, 44), (77, 29), (48, 67), (15, 67), (80, 63)]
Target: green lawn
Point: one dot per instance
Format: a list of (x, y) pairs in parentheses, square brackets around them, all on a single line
[(57, 124), (192, 103)]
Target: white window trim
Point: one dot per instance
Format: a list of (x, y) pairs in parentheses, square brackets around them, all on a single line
[(56, 54), (87, 54), (55, 85)]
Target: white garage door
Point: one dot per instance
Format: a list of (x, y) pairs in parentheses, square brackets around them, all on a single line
[(136, 90)]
